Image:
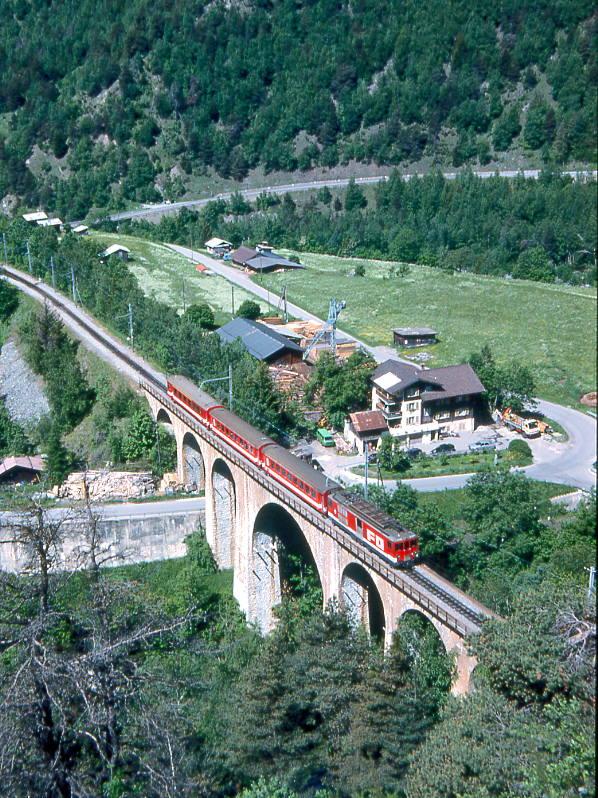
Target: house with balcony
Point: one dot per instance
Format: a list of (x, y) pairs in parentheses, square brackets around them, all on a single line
[(419, 404)]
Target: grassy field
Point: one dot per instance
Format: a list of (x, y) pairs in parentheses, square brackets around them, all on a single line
[(551, 328), (450, 502), (170, 278)]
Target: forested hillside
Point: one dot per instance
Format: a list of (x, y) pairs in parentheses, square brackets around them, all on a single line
[(104, 102)]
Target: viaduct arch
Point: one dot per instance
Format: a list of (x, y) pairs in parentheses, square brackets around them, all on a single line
[(253, 524)]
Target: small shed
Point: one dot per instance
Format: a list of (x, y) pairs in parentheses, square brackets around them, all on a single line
[(35, 216), (414, 336), (14, 470), (218, 247), (54, 222), (81, 230), (364, 429), (116, 249)]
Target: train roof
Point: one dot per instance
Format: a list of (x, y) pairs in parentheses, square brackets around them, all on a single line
[(304, 471), (191, 390), (377, 518), (251, 434)]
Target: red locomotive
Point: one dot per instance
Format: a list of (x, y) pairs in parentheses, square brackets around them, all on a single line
[(361, 519)]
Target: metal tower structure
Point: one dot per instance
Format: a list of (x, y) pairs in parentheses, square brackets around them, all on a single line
[(329, 329)]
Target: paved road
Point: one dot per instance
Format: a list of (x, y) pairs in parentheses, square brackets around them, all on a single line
[(128, 510), (252, 193), (571, 463), (243, 280), (566, 464)]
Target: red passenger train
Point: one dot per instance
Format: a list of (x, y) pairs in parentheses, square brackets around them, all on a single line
[(378, 529)]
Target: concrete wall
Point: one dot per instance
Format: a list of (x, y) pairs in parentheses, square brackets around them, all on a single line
[(127, 540)]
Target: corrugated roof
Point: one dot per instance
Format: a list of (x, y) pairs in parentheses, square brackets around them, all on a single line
[(217, 242), (243, 254), (259, 340), (271, 260), (368, 421), (36, 216), (113, 249)]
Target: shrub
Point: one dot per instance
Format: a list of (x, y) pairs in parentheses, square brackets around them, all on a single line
[(519, 448), (249, 309)]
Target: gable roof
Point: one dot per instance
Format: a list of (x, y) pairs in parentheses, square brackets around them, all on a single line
[(368, 421), (260, 341), (113, 249), (9, 464), (442, 383), (415, 331), (260, 261), (217, 242)]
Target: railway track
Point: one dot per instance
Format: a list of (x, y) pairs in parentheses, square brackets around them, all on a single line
[(446, 604)]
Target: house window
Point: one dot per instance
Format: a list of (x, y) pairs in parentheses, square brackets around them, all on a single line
[(412, 406), (412, 420), (462, 411)]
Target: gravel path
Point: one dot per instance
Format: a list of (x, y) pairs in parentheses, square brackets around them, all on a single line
[(21, 389)]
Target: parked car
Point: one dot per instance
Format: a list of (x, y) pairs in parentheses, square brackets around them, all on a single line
[(444, 448), (413, 453), (482, 446)]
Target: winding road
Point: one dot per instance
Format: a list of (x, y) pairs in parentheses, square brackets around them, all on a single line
[(342, 182)]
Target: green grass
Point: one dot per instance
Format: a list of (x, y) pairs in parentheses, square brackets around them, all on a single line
[(170, 278), (453, 464), (550, 328)]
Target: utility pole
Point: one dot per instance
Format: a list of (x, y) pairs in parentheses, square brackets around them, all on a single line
[(29, 257), (130, 319), (73, 286), (52, 268), (365, 470), (230, 386), (591, 581), (184, 297), (5, 250), (232, 299)]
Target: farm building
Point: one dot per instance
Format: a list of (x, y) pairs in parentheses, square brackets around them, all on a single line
[(14, 470), (262, 259), (35, 216), (54, 222), (81, 230), (414, 336), (418, 404), (261, 341), (117, 250), (218, 246), (364, 429)]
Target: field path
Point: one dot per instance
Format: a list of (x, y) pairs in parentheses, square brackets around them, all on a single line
[(242, 280)]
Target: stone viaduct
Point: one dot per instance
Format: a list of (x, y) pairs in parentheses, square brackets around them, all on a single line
[(249, 515)]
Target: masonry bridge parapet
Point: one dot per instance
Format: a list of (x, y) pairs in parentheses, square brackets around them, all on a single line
[(251, 520)]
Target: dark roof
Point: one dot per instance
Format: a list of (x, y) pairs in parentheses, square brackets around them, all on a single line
[(260, 341), (265, 261), (407, 331), (191, 390), (368, 421), (262, 261), (243, 254), (443, 383)]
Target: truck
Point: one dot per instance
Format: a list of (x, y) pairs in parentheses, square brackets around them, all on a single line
[(529, 427)]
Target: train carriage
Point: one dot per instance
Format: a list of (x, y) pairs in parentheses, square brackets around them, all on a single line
[(298, 476), (239, 434), (197, 402)]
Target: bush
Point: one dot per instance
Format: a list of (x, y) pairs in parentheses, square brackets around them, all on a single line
[(519, 448), (249, 310)]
